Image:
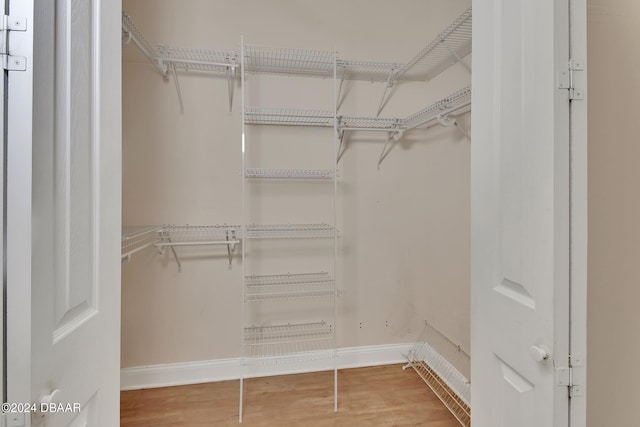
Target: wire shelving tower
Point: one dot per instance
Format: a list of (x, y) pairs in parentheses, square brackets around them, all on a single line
[(303, 340)]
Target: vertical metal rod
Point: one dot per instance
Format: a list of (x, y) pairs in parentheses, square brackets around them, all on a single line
[(243, 229), (175, 79), (335, 232), (339, 94)]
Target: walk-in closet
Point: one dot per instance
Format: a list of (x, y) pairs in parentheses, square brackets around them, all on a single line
[(296, 195)]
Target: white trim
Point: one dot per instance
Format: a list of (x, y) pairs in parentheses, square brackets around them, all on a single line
[(579, 213), (174, 374), (19, 212)]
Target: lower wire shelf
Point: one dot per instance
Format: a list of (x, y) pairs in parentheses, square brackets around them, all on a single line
[(289, 343), (290, 231), (444, 367), (288, 287)]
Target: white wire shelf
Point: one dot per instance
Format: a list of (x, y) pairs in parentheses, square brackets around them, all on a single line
[(131, 33), (305, 341), (314, 63), (441, 363), (197, 233), (453, 104), (293, 62), (375, 123), (369, 71), (288, 117), (138, 238), (449, 47), (289, 286), (284, 174), (204, 60), (290, 231)]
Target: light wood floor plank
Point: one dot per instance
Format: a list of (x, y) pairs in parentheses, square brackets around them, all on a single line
[(377, 396)]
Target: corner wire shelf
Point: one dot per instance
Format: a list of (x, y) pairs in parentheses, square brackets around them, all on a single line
[(289, 174), (455, 104), (288, 287), (293, 343), (449, 47), (450, 106), (439, 361), (290, 231)]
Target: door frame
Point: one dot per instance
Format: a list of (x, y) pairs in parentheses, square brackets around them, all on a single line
[(17, 202), (578, 215), (18, 208)]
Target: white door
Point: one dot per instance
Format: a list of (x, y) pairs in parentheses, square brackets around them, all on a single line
[(73, 226), (520, 213)]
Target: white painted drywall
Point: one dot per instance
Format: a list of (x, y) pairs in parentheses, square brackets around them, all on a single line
[(404, 250)]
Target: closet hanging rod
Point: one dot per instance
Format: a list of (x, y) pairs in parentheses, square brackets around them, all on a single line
[(443, 113), (127, 256), (195, 62), (205, 243)]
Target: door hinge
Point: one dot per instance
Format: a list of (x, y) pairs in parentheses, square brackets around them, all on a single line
[(566, 79), (11, 62), (565, 378)]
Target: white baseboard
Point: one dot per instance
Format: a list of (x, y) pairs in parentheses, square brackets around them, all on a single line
[(140, 377)]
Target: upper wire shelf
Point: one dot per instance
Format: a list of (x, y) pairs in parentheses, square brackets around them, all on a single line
[(283, 174), (305, 340), (288, 117), (296, 62), (289, 286), (449, 47), (290, 231)]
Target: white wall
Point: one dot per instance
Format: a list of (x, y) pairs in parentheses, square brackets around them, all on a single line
[(404, 250), (614, 209)]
